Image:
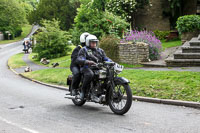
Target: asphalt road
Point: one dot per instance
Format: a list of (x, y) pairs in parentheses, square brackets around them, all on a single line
[(27, 107)]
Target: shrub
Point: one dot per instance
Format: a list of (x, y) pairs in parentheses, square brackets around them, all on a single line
[(99, 23), (126, 8), (18, 31), (161, 35), (188, 23), (110, 45), (51, 41), (14, 31), (155, 46)]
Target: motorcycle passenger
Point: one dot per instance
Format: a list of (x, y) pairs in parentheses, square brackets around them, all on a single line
[(74, 66), (87, 56)]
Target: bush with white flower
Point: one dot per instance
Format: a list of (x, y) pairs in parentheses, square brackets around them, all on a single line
[(125, 8)]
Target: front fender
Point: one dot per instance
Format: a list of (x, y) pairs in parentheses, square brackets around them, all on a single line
[(121, 80)]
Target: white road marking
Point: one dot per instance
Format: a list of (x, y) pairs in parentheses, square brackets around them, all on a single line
[(18, 126)]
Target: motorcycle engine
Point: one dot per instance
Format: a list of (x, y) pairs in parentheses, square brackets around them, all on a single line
[(102, 74), (96, 89)]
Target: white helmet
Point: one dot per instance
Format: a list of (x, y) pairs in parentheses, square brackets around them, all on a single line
[(91, 38), (83, 37)]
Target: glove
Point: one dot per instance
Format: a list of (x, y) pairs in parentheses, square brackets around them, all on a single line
[(88, 62)]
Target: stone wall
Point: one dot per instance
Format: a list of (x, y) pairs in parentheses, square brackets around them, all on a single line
[(190, 7), (187, 36), (133, 53), (152, 18)]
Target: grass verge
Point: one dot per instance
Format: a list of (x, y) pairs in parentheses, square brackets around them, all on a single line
[(16, 61), (64, 61), (156, 84), (26, 29), (170, 44), (52, 76)]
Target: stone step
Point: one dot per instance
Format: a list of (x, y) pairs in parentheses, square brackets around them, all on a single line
[(171, 62), (186, 48), (194, 42), (187, 56), (179, 55), (199, 37)]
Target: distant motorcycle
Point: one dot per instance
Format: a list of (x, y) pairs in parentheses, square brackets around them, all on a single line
[(106, 88)]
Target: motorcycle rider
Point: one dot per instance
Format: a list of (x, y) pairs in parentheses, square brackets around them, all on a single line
[(89, 55), (74, 66)]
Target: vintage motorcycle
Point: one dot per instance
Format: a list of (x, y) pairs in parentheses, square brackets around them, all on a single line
[(106, 88)]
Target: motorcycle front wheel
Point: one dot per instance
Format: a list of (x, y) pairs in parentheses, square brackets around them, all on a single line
[(120, 99)]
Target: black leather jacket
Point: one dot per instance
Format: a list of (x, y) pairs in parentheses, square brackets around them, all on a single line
[(74, 56), (96, 55)]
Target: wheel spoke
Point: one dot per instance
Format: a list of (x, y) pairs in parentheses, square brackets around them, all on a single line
[(118, 99)]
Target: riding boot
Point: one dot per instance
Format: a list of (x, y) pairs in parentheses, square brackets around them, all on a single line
[(75, 80), (88, 75)]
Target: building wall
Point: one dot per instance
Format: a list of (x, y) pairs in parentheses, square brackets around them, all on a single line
[(151, 17), (190, 7)]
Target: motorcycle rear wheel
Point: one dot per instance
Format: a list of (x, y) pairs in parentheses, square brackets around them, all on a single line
[(76, 101), (117, 96)]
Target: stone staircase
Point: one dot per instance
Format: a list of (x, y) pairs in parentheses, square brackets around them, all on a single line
[(187, 55)]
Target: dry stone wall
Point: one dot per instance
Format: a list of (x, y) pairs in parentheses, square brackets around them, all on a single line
[(133, 53)]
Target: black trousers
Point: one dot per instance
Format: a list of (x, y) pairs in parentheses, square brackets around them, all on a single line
[(88, 75), (76, 77)]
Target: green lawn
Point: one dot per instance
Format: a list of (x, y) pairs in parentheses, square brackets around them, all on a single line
[(157, 84), (16, 61), (63, 61), (165, 84), (170, 44), (26, 30), (52, 76)]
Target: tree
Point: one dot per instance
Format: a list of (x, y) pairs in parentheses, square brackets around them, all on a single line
[(12, 16), (99, 4), (175, 11), (11, 13), (27, 7), (63, 10), (51, 41), (92, 18), (33, 3)]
